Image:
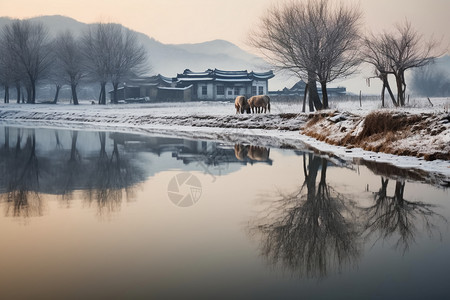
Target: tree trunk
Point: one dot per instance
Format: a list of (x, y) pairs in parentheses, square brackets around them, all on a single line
[(115, 93), (324, 94), (399, 91), (401, 88), (6, 99), (33, 91), (18, 91), (58, 88), (388, 87), (314, 100), (102, 98), (74, 94), (28, 100), (304, 98), (100, 95), (382, 94)]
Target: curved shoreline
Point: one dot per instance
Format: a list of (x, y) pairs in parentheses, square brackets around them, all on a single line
[(275, 130)]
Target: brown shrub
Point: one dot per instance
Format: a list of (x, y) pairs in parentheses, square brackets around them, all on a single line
[(384, 122)]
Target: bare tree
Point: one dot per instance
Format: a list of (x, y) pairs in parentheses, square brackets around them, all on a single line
[(339, 54), (128, 57), (56, 73), (374, 49), (95, 51), (408, 51), (69, 58), (5, 78), (10, 74), (400, 51), (311, 39), (112, 53), (29, 42)]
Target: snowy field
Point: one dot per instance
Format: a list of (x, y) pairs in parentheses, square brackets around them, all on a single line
[(217, 120)]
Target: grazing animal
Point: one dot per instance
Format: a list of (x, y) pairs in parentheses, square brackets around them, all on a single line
[(241, 105), (259, 103)]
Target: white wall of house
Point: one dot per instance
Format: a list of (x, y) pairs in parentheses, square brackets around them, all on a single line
[(230, 92), (209, 91), (261, 87), (217, 95)]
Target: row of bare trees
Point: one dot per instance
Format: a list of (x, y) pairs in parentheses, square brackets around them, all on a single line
[(106, 52), (320, 41)]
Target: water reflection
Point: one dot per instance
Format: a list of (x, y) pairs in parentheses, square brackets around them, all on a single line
[(316, 230), (322, 222), (111, 178), (395, 216), (312, 231), (251, 153), (30, 169), (21, 175), (104, 167)]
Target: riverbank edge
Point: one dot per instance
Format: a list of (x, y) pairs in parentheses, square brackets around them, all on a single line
[(425, 135), (201, 127)]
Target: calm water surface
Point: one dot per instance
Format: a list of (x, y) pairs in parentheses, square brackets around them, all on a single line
[(113, 215)]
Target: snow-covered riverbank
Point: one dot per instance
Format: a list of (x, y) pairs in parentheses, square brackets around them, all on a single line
[(206, 120)]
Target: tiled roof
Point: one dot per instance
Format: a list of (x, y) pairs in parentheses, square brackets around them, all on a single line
[(221, 75)]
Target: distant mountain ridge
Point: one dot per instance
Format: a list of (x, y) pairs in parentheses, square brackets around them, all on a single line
[(170, 59)]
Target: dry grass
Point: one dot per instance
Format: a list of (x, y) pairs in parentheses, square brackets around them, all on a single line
[(382, 131), (386, 123)]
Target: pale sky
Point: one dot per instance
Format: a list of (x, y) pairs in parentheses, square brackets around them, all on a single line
[(192, 21)]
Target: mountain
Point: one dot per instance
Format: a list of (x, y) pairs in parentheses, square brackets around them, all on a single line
[(170, 59), (55, 24)]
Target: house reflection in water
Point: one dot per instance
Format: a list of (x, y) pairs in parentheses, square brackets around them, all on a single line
[(105, 167), (209, 153)]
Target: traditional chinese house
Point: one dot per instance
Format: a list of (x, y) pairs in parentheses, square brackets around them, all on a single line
[(224, 85), (208, 85)]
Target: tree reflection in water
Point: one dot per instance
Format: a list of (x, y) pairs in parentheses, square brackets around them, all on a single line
[(22, 166), (71, 169), (391, 216), (25, 176), (110, 179), (313, 232)]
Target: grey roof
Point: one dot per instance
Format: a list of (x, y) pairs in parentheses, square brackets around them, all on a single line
[(223, 76)]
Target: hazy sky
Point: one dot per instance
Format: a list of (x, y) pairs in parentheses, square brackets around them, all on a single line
[(191, 21)]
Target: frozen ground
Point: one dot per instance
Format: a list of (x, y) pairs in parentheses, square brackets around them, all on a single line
[(218, 121)]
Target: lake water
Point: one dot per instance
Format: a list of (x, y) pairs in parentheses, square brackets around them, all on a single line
[(89, 214)]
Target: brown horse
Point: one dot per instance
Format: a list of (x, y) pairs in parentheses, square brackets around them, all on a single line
[(241, 105), (259, 103)]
